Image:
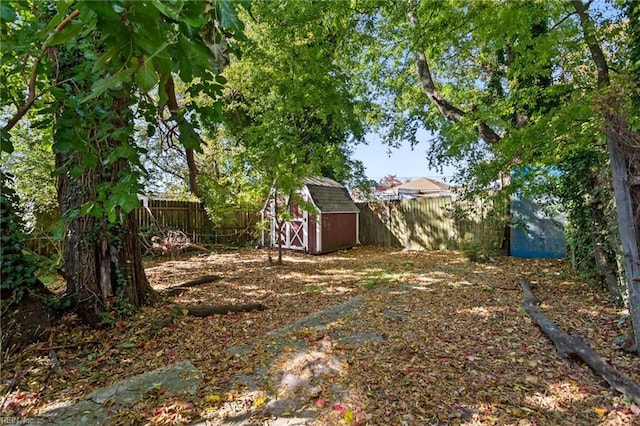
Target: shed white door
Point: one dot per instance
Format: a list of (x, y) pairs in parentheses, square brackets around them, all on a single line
[(294, 234)]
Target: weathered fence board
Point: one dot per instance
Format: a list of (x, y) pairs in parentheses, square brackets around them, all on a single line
[(428, 223)]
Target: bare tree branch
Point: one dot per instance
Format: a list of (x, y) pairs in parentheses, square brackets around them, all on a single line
[(446, 108), (172, 104)]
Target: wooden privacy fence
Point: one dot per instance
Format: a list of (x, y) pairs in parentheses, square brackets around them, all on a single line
[(430, 223), (162, 215), (157, 216), (426, 223), (191, 218), (41, 239)]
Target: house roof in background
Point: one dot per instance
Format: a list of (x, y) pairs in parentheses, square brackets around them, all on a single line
[(423, 184), (419, 188), (330, 196)]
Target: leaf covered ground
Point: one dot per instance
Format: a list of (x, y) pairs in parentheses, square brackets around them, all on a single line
[(426, 338)]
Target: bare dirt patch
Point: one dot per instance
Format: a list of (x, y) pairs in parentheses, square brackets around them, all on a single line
[(435, 339)]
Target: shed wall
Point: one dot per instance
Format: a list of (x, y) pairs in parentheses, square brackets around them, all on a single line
[(339, 231)]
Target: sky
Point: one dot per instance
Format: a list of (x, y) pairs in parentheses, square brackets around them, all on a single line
[(405, 162)]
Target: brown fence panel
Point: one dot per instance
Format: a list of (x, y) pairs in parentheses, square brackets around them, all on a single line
[(376, 224), (191, 218), (170, 215), (427, 223), (161, 216)]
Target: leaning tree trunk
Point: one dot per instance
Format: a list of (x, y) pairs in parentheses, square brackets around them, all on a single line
[(624, 147)]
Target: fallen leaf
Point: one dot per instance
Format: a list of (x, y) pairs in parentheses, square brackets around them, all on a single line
[(348, 417), (260, 401), (213, 399), (600, 411)]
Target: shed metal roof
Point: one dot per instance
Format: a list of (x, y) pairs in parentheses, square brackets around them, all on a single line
[(330, 196)]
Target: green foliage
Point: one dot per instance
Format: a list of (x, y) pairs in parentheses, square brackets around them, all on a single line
[(228, 184), (118, 307), (30, 164), (472, 248), (633, 13), (370, 284), (480, 221), (289, 111), (18, 266), (57, 303), (585, 190), (517, 67), (123, 48)]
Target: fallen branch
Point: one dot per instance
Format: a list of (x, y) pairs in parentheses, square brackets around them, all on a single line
[(173, 242), (206, 279), (205, 311), (572, 345), (173, 291), (180, 287)]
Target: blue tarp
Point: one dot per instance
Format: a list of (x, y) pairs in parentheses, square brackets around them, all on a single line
[(536, 233)]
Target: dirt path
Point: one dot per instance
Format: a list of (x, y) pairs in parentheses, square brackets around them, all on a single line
[(365, 336)]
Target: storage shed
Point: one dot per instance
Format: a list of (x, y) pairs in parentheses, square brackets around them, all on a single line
[(332, 225)]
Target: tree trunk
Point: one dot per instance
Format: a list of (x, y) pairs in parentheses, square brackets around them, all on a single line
[(101, 259), (614, 130), (81, 263), (174, 108), (607, 272), (278, 227), (603, 238)]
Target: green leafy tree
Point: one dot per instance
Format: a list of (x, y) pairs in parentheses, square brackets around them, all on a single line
[(289, 109), (93, 68), (506, 88), (31, 163)]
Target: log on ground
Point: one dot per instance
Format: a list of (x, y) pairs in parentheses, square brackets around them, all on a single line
[(205, 311), (182, 286), (572, 345)]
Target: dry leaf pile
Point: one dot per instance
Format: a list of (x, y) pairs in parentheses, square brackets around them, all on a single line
[(435, 340)]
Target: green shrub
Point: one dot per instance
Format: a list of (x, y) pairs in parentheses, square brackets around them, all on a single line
[(18, 265), (472, 249)]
